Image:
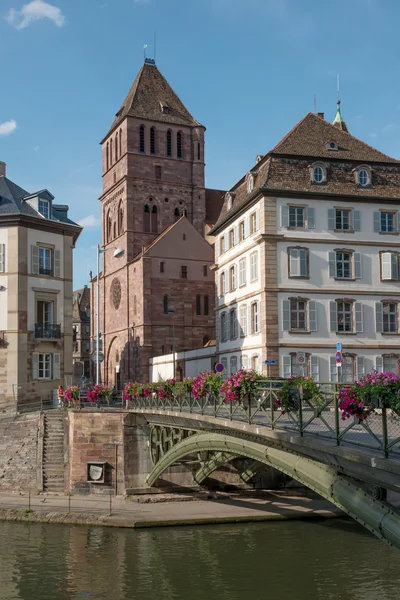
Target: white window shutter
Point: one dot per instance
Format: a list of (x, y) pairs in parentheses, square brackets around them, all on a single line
[(311, 218), (360, 367), (257, 219), (332, 264), (249, 327), (386, 264), (217, 244), (286, 315), (294, 262), (379, 317), (333, 315), (331, 218), (303, 263), (356, 220), (287, 367), (377, 221), (358, 309), (312, 315), (35, 260), (379, 364), (314, 365), (35, 365), (56, 366), (2, 258), (235, 235), (258, 316), (57, 263), (285, 216), (357, 265), (333, 369), (246, 227)]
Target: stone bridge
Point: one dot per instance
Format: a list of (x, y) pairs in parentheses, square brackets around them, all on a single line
[(350, 463)]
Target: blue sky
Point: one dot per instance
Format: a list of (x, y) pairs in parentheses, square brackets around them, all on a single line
[(246, 69)]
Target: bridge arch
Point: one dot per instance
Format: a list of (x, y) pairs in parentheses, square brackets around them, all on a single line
[(323, 479)]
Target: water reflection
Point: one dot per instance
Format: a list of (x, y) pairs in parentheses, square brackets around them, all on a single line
[(326, 560)]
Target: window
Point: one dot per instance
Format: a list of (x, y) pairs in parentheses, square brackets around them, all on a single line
[(255, 362), (154, 224), (348, 370), (222, 244), (389, 266), (2, 258), (111, 152), (45, 365), (222, 282), (390, 364), (198, 305), (116, 146), (120, 219), (179, 144), (242, 272), (224, 324), (198, 151), (233, 364), (298, 262), (206, 306), (224, 361), (243, 320), (232, 278), (231, 238), (299, 315), (229, 202), (142, 147), (205, 270), (157, 171), (254, 222), (152, 140), (346, 316), (363, 177), (120, 142), (135, 304), (254, 266), (299, 364), (165, 304), (45, 261), (162, 267), (386, 317), (241, 231), (45, 312), (297, 217), (385, 222), (345, 264), (177, 216), (344, 219), (318, 174), (184, 273), (254, 318), (169, 142), (107, 157), (233, 323), (146, 219), (243, 361), (44, 208), (250, 183)]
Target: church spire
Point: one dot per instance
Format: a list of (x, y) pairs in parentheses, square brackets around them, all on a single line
[(338, 120)]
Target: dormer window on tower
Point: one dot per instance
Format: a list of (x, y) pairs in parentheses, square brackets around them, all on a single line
[(363, 176), (318, 173)]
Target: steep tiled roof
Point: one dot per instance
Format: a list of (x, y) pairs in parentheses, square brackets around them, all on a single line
[(81, 302), (214, 202), (149, 93)]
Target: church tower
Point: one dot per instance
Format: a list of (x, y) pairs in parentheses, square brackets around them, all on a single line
[(152, 165)]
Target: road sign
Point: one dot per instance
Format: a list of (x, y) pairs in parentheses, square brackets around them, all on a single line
[(338, 357), (94, 355), (219, 367), (338, 346), (269, 362), (301, 358)]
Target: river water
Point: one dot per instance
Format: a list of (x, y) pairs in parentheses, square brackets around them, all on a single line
[(296, 560)]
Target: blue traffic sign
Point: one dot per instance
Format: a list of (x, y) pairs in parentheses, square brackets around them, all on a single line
[(269, 362), (338, 346), (219, 367)]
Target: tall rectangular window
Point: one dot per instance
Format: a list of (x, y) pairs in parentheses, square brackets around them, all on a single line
[(254, 266), (44, 366), (231, 238), (253, 223), (205, 270), (184, 272), (342, 219), (241, 231), (233, 323), (222, 244), (298, 315), (242, 271), (2, 258), (344, 316), (387, 222), (44, 208), (224, 324), (391, 364), (162, 266), (206, 306), (255, 325), (45, 261), (389, 266), (198, 305), (389, 313), (297, 217), (232, 278), (298, 262), (343, 265), (157, 172), (243, 320), (222, 284)]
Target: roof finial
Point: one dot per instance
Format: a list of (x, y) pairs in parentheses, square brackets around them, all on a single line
[(338, 120)]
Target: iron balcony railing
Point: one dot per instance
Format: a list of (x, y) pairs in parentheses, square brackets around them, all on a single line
[(44, 271), (47, 331)]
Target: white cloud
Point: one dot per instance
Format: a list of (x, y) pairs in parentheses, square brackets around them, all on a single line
[(34, 11), (373, 135), (90, 221), (388, 127), (8, 127)]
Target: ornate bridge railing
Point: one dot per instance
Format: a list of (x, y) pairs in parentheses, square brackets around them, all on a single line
[(313, 417)]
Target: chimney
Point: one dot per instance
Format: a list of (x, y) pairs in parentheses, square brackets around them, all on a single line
[(2, 169), (62, 208), (322, 115)]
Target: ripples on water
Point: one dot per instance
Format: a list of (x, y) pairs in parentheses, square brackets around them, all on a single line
[(326, 560)]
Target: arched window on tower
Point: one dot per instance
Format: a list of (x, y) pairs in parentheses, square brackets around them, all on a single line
[(120, 218), (165, 303), (154, 224), (177, 216), (108, 227), (120, 142), (107, 157), (146, 219), (111, 152), (116, 146), (169, 142), (152, 140), (179, 144), (141, 139)]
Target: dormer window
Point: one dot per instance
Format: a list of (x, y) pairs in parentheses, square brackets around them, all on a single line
[(318, 173), (165, 109), (333, 145), (44, 208), (250, 183), (363, 176), (229, 201)]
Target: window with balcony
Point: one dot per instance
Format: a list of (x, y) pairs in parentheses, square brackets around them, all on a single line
[(45, 328), (345, 264)]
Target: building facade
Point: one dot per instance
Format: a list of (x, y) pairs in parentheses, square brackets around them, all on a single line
[(82, 347), (156, 209), (36, 242), (307, 255)]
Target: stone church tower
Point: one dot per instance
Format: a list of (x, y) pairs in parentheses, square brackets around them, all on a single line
[(153, 177)]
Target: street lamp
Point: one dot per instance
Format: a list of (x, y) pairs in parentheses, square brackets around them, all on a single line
[(118, 252), (172, 312)]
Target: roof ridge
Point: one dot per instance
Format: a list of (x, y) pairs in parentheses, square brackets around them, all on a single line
[(162, 234), (291, 131)]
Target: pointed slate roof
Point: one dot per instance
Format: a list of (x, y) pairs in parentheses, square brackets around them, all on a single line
[(150, 92)]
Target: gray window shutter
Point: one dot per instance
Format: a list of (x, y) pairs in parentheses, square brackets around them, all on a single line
[(333, 369), (285, 216), (386, 265), (358, 309), (377, 221), (287, 367), (398, 221), (303, 263), (314, 364), (311, 218), (35, 365), (333, 315), (379, 364), (360, 367), (331, 218), (312, 315), (332, 264), (395, 266), (257, 219), (379, 317), (246, 227), (57, 263), (35, 260), (56, 366), (286, 315), (227, 326), (357, 265), (357, 220), (2, 258)]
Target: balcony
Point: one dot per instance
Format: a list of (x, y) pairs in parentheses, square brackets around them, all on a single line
[(44, 271), (47, 331)]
